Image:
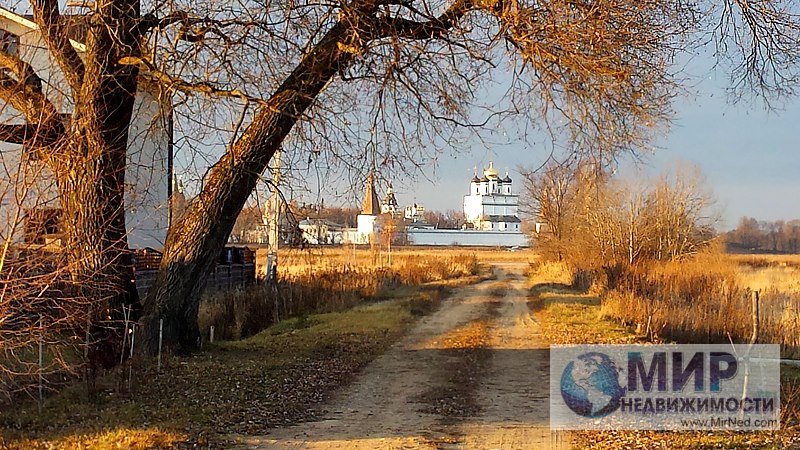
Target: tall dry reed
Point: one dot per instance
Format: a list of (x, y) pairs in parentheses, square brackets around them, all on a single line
[(325, 288), (702, 300)]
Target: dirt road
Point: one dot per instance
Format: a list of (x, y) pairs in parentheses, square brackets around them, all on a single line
[(473, 375)]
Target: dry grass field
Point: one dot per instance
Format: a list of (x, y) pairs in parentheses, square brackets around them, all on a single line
[(570, 316), (769, 272), (709, 298), (765, 258), (295, 259)]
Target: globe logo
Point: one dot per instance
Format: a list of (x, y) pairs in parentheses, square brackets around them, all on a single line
[(590, 385)]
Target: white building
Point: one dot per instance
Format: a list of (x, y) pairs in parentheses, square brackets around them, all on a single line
[(490, 214), (367, 221), (32, 215), (321, 232), (389, 204), (414, 212), (490, 210), (491, 204)]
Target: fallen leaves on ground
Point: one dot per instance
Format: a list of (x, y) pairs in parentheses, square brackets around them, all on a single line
[(245, 387)]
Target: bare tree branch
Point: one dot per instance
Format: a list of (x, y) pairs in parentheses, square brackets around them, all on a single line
[(53, 29), (21, 70), (764, 37), (18, 134), (171, 82), (27, 99), (25, 95), (393, 26)]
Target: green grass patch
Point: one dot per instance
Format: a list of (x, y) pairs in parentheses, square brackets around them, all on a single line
[(571, 317)]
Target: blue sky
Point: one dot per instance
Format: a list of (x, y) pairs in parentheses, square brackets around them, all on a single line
[(750, 156)]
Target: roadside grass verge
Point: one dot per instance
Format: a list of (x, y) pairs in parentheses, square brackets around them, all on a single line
[(231, 314), (276, 377), (569, 316)]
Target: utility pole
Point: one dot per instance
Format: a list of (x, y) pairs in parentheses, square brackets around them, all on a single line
[(274, 223)]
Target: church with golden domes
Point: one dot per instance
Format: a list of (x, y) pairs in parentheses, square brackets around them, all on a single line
[(490, 216), (491, 204)]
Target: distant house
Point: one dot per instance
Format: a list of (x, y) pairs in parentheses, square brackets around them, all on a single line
[(321, 231), (32, 215)]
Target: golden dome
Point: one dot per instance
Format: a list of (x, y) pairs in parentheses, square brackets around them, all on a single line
[(490, 172)]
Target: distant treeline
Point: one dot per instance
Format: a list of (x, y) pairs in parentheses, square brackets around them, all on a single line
[(753, 235)]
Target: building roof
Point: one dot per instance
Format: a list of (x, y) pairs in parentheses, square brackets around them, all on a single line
[(390, 199), (371, 205), (490, 172), (308, 222), (507, 179), (76, 26), (22, 20), (510, 219), (475, 179)]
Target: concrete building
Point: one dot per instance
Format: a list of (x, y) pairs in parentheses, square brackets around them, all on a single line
[(33, 214)]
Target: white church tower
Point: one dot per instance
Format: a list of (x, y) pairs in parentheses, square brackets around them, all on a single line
[(370, 210), (491, 204)]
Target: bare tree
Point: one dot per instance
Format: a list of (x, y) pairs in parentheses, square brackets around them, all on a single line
[(449, 219), (248, 223), (754, 235), (562, 196), (85, 153), (364, 83), (682, 214), (593, 220), (551, 199)]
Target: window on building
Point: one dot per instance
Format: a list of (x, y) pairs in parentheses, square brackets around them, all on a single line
[(9, 42), (42, 224)]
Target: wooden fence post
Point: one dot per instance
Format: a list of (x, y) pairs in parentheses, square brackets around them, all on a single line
[(754, 308)]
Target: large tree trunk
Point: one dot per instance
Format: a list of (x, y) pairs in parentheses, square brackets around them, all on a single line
[(195, 241), (91, 178), (98, 258)]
